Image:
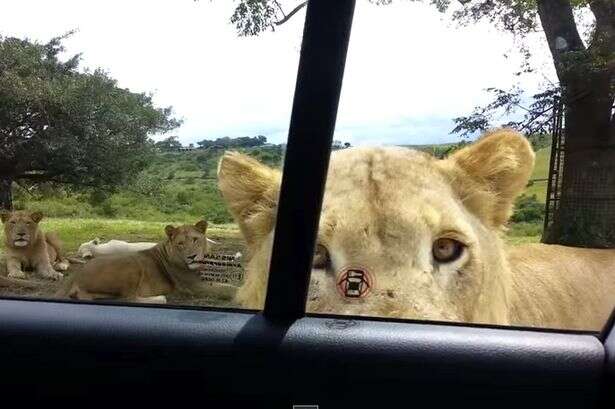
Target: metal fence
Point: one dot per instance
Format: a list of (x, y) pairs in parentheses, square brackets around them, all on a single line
[(580, 202), (556, 168)]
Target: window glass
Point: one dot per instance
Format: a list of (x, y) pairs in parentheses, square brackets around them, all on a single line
[(141, 145), (432, 210)]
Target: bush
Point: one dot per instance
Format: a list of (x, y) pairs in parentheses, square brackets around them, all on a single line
[(170, 189), (67, 207), (146, 184), (108, 209), (183, 197), (528, 210), (97, 197), (188, 167)]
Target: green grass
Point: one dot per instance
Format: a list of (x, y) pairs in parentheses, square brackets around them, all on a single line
[(516, 241), (541, 171), (541, 167), (75, 231), (522, 233)]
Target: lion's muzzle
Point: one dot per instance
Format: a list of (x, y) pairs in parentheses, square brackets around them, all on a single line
[(21, 239)]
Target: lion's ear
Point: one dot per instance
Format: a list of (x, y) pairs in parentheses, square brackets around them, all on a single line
[(250, 190), (4, 215), (201, 226), (170, 231), (36, 216), (492, 172)]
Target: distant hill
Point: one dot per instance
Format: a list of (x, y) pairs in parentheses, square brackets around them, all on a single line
[(541, 145), (176, 186)]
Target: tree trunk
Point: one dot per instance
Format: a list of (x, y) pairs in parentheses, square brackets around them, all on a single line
[(6, 193), (586, 213)]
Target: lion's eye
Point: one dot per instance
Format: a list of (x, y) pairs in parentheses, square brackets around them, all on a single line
[(446, 250), (321, 257)]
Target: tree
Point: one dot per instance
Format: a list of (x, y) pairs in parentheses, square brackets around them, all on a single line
[(169, 144), (59, 124), (240, 142), (337, 144), (586, 87)]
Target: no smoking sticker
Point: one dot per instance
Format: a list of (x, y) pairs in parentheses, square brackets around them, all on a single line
[(354, 282)]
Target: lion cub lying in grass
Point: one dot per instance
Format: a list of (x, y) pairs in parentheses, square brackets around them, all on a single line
[(28, 247), (428, 233), (149, 275)]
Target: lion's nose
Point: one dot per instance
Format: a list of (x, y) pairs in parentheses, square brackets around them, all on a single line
[(192, 257), (20, 234)]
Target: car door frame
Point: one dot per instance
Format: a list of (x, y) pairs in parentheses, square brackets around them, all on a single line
[(110, 354)]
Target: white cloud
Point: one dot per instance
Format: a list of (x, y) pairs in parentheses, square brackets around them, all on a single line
[(408, 70)]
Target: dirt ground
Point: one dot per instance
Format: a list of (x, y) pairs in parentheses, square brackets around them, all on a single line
[(224, 246)]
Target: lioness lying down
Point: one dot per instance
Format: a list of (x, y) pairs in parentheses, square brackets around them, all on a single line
[(149, 275), (426, 233), (28, 247), (96, 247)]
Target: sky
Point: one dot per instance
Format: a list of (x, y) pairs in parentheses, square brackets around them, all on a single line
[(409, 69)]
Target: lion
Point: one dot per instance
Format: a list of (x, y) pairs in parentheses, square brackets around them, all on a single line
[(148, 276), (28, 247), (403, 234), (96, 247)]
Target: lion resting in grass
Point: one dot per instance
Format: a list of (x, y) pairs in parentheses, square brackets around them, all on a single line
[(426, 237), (149, 275), (96, 247), (27, 247)]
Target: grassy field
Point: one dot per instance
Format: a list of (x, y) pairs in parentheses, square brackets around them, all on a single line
[(541, 171), (521, 233), (177, 188), (75, 231)]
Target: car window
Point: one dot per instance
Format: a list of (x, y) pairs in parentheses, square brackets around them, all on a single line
[(448, 153), (129, 131), (469, 179)]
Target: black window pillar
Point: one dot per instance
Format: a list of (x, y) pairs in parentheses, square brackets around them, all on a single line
[(319, 82)]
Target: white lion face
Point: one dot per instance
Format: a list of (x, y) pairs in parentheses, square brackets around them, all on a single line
[(86, 250)]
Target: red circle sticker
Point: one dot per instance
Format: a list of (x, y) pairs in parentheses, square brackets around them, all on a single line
[(354, 282)]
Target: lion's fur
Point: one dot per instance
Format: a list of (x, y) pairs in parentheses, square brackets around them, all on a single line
[(384, 207), (37, 250), (149, 275)]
